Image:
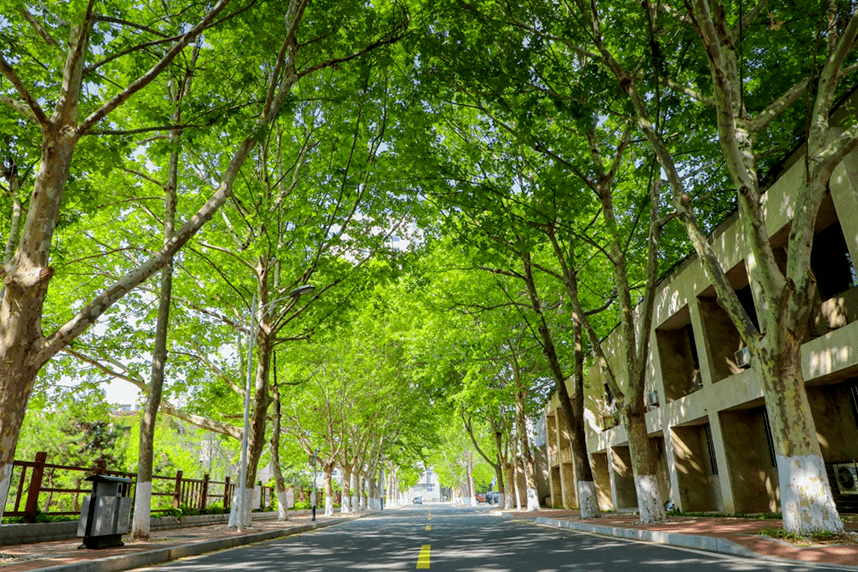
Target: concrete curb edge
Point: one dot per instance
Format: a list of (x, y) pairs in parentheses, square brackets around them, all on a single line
[(161, 555), (697, 542)]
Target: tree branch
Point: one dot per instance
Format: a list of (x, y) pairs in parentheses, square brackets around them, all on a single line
[(156, 70), (32, 110)]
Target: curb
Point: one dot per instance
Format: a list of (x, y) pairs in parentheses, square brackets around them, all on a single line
[(12, 534), (694, 541), (161, 555)]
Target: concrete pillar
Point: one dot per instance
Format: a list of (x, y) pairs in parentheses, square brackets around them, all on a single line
[(622, 478), (699, 341), (727, 499), (551, 438), (567, 478), (670, 459), (602, 477), (556, 486), (844, 193)]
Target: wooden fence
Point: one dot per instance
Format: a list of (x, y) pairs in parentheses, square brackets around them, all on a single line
[(56, 489)]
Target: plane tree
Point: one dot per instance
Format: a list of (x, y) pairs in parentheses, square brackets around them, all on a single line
[(85, 81), (544, 202), (761, 89)]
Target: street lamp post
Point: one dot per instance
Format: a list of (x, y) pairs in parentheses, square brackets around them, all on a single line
[(313, 494), (251, 334)]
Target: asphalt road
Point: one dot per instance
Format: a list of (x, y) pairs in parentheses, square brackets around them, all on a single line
[(444, 539)]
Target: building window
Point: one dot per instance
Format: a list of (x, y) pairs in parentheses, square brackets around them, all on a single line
[(831, 262), (746, 298), (769, 438), (713, 462), (692, 345), (852, 388)]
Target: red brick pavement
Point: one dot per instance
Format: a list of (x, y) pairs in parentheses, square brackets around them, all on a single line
[(742, 531), (22, 557)]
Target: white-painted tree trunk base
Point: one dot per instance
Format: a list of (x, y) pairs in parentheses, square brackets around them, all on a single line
[(5, 481), (142, 511), (649, 499), (248, 509), (587, 499), (532, 500), (346, 505), (329, 506), (806, 501), (282, 509), (233, 510)]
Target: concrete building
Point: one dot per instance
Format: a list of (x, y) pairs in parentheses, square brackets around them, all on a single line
[(706, 416), (428, 487)]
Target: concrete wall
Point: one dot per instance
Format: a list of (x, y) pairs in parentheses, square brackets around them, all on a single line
[(602, 478), (622, 479), (677, 366), (696, 487), (835, 422), (754, 480)]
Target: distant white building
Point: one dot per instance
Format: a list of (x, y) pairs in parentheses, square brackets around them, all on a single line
[(428, 487)]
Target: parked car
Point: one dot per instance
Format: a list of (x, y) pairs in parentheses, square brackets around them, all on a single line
[(492, 497), (480, 497), (418, 500)]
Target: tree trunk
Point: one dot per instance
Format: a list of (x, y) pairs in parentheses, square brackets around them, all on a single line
[(650, 504), (806, 500), (143, 498), (526, 454), (279, 481), (13, 181), (346, 504), (26, 280), (469, 463), (373, 493), (363, 492), (23, 347), (588, 502), (329, 489), (574, 413), (499, 467), (517, 469)]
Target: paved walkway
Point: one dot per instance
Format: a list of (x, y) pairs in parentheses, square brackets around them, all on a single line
[(738, 536), (163, 546)]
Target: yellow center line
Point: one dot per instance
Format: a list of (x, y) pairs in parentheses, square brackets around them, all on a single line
[(424, 560), (428, 527)]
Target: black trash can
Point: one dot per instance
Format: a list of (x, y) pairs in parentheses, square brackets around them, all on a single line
[(106, 514)]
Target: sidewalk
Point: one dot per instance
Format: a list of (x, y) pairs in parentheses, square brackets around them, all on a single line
[(163, 546), (727, 535), (735, 536)]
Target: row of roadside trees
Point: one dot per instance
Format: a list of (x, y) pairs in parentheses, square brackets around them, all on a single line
[(540, 154)]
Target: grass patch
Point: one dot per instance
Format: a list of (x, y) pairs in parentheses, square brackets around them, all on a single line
[(758, 516), (42, 517), (821, 536)]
